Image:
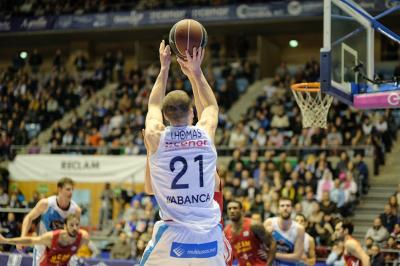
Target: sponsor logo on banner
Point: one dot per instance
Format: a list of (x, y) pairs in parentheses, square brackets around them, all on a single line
[(259, 11), (394, 98), (34, 24), (167, 16), (183, 250), (79, 165), (133, 18), (216, 13), (5, 26), (100, 21)]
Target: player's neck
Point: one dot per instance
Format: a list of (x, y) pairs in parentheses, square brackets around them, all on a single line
[(66, 239), (237, 226), (63, 203), (183, 124), (284, 224)]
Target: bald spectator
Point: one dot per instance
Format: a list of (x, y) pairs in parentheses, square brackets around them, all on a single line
[(378, 232)]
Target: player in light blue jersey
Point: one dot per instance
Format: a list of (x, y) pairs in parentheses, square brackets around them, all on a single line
[(288, 234), (53, 210)]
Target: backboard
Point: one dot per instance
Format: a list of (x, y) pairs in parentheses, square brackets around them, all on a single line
[(347, 56)]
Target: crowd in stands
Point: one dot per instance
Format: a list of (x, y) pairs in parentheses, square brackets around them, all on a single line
[(31, 100), (10, 8), (113, 124)]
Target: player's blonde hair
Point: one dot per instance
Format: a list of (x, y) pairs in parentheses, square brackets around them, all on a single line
[(176, 105)]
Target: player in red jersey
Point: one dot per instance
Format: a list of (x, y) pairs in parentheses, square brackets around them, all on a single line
[(354, 255), (61, 245), (250, 242)]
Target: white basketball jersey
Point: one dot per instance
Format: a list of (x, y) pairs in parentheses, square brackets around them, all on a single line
[(53, 217), (183, 177), (285, 240)]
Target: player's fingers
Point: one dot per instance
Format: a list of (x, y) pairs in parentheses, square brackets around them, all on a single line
[(162, 46), (188, 57), (181, 62), (167, 50), (203, 51), (195, 53)]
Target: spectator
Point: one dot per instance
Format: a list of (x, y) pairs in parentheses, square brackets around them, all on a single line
[(376, 256), (377, 232), (325, 184), (35, 61), (3, 197), (238, 137), (337, 194), (363, 172), (394, 205), (391, 245), (58, 60), (81, 62), (388, 218), (121, 249), (10, 228), (35, 199), (326, 205), (397, 194), (106, 198), (308, 204)]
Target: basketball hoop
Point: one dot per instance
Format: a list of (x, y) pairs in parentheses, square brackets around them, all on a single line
[(314, 105)]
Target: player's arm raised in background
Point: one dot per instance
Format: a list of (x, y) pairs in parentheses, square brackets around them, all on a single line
[(38, 210), (355, 249), (298, 248), (154, 118), (298, 245), (267, 241), (209, 115), (44, 239)]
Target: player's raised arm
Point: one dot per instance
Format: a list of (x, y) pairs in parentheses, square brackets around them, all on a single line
[(209, 116), (38, 210), (267, 240), (354, 248), (44, 239), (197, 101), (298, 248), (147, 179), (154, 118)]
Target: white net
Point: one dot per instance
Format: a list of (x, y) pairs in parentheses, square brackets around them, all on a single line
[(314, 107)]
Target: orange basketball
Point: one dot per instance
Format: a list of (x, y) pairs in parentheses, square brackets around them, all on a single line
[(185, 35)]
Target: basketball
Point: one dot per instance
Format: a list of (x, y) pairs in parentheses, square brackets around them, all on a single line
[(185, 35)]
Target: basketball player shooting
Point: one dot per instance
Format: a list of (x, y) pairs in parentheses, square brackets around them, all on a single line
[(60, 245), (182, 161), (354, 254)]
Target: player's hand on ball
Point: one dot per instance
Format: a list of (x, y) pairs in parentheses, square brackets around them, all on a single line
[(165, 55), (193, 63)]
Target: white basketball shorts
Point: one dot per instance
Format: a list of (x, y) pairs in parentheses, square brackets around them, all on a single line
[(175, 245)]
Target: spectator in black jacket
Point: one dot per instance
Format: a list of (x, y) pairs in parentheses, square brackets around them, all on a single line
[(388, 218)]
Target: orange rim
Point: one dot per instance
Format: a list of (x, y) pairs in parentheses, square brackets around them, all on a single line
[(307, 87)]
